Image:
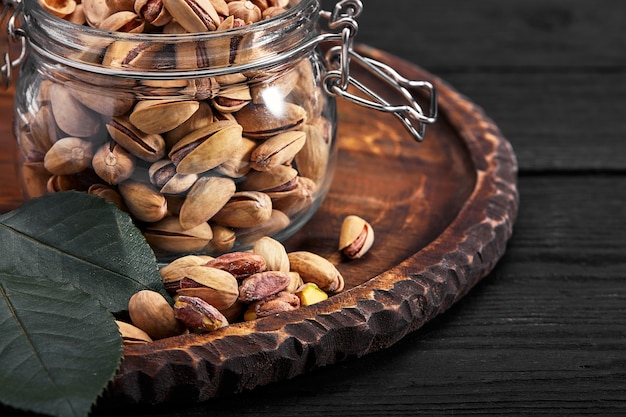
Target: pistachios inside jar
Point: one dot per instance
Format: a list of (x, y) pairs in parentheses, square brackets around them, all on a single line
[(194, 116)]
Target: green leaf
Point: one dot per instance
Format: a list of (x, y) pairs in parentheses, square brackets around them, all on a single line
[(58, 347), (79, 238)]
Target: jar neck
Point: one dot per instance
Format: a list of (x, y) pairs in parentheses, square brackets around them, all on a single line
[(259, 46)]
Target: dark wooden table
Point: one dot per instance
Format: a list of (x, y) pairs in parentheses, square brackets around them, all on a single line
[(545, 332)]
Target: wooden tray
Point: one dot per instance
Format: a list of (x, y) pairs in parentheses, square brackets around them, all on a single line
[(442, 211)]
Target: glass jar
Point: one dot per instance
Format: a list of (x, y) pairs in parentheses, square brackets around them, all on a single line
[(208, 140)]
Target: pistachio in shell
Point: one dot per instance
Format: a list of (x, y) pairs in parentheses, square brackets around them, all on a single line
[(356, 238), (151, 312), (280, 178), (205, 198), (168, 237), (215, 286), (71, 116), (245, 209), (193, 15), (159, 116), (163, 175), (147, 146), (316, 269), (273, 252), (143, 201), (260, 121), (69, 155), (277, 150), (113, 163), (206, 148)]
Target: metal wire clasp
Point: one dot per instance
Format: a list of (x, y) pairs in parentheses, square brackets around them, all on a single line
[(338, 78), (11, 9)]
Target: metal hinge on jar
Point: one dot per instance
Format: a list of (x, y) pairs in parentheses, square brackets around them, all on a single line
[(338, 79), (10, 10)]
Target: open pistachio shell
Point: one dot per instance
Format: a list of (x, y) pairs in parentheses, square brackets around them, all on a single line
[(206, 148), (356, 238)]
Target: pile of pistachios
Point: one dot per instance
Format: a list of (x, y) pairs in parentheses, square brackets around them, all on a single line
[(211, 293), (150, 16)]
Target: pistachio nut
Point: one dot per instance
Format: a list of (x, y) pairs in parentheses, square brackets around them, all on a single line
[(153, 11), (59, 8), (58, 183), (101, 100), (123, 21), (312, 160), (71, 116), (281, 178), (198, 315), (232, 99), (261, 122), (206, 148), (273, 252), (205, 198), (245, 10), (356, 238), (278, 150), (69, 155), (132, 335), (270, 306), (158, 116), (143, 200), (244, 209), (167, 236), (194, 15), (119, 5), (310, 293), (240, 264), (95, 11), (163, 175), (127, 53), (149, 147), (172, 273), (151, 312), (113, 163), (215, 286), (262, 285), (108, 193), (316, 269), (272, 12), (220, 6)]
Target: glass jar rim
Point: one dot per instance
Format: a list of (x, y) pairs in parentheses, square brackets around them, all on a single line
[(291, 32)]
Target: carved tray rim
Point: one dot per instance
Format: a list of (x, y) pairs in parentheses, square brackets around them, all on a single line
[(191, 368)]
